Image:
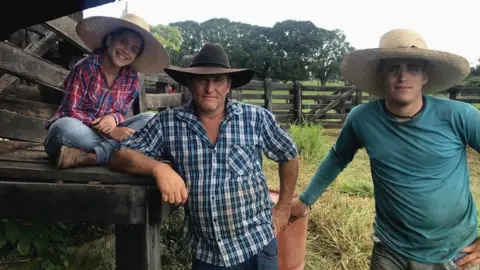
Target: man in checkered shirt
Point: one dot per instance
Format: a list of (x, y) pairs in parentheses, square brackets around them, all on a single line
[(216, 145)]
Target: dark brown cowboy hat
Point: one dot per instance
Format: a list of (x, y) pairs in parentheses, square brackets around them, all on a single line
[(210, 60)]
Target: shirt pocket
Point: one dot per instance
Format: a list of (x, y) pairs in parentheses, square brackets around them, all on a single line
[(241, 160)]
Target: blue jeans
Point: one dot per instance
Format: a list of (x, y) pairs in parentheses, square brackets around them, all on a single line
[(266, 259), (384, 258), (72, 132)]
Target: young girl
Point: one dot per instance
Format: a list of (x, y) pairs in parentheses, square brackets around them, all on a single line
[(100, 90)]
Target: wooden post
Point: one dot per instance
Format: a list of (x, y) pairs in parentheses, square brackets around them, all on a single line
[(186, 94), (267, 91), (359, 97), (297, 101), (140, 104), (139, 246), (453, 93)]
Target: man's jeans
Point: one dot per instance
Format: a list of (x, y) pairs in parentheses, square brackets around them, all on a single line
[(266, 259), (72, 132), (384, 258)]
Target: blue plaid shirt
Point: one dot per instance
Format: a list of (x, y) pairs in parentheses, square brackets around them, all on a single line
[(228, 214)]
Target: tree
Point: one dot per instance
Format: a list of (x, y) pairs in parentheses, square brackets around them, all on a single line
[(326, 58), (169, 36)]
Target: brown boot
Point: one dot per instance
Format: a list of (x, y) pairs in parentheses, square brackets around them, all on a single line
[(72, 157)]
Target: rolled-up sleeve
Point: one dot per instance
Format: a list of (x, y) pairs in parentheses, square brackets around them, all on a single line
[(148, 141), (277, 143)]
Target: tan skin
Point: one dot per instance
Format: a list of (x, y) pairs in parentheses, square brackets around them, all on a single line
[(122, 51), (209, 94), (403, 81)]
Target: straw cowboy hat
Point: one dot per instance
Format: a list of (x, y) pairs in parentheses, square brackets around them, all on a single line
[(210, 60), (444, 69), (153, 59)]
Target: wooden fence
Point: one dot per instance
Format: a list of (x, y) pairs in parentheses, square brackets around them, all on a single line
[(291, 102)]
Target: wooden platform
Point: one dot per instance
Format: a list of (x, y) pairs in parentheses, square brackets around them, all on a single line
[(33, 189)]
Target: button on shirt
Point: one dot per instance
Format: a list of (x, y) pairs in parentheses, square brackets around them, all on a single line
[(228, 211), (87, 95)]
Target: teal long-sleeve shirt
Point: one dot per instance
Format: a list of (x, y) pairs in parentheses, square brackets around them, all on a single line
[(424, 206)]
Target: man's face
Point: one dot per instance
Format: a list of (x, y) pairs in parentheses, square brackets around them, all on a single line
[(404, 80), (123, 48), (209, 92)]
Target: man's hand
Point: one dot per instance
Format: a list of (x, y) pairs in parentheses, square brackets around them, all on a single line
[(120, 133), (281, 216), (170, 184), (472, 258), (299, 209), (104, 124)]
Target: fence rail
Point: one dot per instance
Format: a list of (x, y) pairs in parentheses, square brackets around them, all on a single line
[(289, 102)]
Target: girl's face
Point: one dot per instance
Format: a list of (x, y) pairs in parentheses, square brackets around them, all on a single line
[(123, 48)]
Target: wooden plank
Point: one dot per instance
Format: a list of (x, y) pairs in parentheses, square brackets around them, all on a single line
[(38, 29), (159, 77), (37, 48), (325, 88), (25, 156), (282, 86), (332, 104), (154, 101), (113, 204), (27, 107), (247, 96), (35, 93), (320, 97), (20, 63), (20, 127), (65, 27), (45, 172), (313, 107), (285, 117), (276, 106), (11, 146)]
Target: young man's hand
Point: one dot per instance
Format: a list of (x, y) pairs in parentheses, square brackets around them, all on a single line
[(121, 133), (299, 209), (472, 258), (104, 124)]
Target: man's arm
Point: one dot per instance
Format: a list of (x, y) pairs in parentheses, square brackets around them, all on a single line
[(472, 128), (139, 154), (288, 172)]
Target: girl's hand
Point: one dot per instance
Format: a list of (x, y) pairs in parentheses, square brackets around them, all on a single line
[(104, 124)]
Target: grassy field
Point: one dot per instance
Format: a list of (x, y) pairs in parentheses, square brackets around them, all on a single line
[(340, 223)]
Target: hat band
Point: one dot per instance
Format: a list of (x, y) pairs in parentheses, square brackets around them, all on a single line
[(208, 65)]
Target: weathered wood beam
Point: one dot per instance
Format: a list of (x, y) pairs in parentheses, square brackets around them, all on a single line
[(155, 101), (332, 104), (46, 172), (35, 93), (20, 127), (20, 63), (38, 48), (113, 204), (65, 27), (11, 146), (27, 107), (38, 29)]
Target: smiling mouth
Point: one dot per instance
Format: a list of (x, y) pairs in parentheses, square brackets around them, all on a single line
[(121, 56)]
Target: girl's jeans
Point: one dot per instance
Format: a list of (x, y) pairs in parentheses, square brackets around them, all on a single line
[(72, 132)]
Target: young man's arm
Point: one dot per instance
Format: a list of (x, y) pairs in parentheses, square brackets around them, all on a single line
[(472, 128), (139, 154), (339, 156)]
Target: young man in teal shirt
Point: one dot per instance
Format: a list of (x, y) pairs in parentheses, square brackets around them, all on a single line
[(425, 212)]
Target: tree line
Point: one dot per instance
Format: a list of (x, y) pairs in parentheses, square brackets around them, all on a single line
[(290, 50)]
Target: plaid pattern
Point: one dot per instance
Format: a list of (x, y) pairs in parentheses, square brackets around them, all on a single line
[(87, 95), (228, 213)]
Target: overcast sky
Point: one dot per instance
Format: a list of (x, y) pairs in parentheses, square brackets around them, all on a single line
[(452, 26)]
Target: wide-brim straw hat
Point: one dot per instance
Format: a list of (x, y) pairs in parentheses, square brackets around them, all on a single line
[(211, 60), (444, 69), (153, 59)]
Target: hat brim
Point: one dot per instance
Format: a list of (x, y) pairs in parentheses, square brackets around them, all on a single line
[(444, 69), (154, 57), (240, 77)]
